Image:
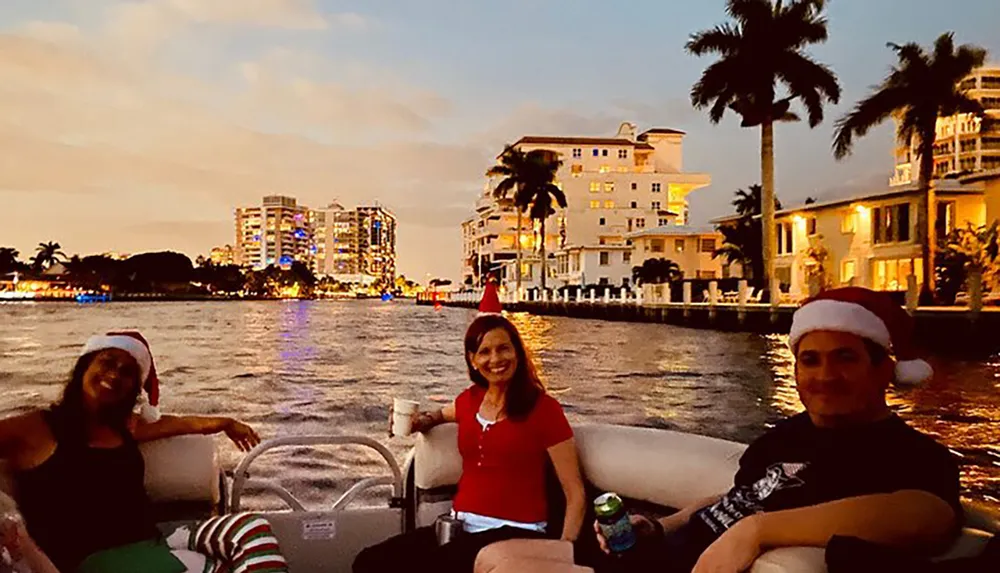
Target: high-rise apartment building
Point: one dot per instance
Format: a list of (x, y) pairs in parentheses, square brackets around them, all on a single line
[(353, 245), (278, 232), (336, 238), (376, 239), (961, 145)]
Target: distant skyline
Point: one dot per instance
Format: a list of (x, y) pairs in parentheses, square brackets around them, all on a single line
[(141, 125)]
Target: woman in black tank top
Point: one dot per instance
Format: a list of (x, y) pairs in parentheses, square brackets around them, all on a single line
[(78, 471)]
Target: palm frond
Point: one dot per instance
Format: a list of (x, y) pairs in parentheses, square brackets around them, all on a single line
[(724, 39), (867, 114)]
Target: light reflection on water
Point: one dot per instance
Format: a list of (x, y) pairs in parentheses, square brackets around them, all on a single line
[(293, 368)]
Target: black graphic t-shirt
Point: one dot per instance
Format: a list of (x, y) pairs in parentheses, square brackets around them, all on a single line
[(797, 464)]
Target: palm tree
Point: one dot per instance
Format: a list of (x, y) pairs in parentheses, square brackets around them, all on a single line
[(920, 88), (539, 194), (530, 176), (517, 171), (742, 239), (46, 255), (8, 259), (761, 49), (657, 271)]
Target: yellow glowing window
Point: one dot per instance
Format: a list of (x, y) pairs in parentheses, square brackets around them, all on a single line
[(609, 186), (849, 223), (595, 204), (605, 169), (623, 169), (609, 204), (848, 270), (595, 187), (576, 169)]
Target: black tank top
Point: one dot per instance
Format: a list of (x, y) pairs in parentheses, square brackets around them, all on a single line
[(82, 500)]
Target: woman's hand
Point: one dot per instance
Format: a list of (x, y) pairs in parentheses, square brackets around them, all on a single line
[(242, 435)]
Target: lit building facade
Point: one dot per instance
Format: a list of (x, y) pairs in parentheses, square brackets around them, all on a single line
[(869, 240), (961, 146), (278, 232), (336, 237), (224, 255), (613, 185), (376, 242), (692, 248)]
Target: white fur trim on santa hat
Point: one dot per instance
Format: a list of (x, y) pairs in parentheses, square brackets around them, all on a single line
[(838, 316), (913, 372), (135, 348), (148, 412)]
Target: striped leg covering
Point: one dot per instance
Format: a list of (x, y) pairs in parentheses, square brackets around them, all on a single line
[(239, 543)]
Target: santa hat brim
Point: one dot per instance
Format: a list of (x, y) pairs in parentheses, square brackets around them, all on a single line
[(135, 349), (852, 318)]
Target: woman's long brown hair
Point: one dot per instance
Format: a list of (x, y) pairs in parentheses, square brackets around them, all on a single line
[(525, 387)]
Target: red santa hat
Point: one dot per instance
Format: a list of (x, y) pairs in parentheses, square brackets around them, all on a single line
[(490, 304), (871, 315), (138, 348)]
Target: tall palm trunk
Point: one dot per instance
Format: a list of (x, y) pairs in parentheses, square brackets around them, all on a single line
[(544, 262), (768, 242), (517, 274), (926, 215)]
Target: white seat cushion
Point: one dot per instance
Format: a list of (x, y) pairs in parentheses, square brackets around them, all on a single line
[(177, 469)]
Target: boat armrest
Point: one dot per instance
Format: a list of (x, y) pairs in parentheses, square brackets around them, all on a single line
[(181, 469), (436, 460), (672, 469)]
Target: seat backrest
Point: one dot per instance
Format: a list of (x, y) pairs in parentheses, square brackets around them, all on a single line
[(177, 469), (658, 466)]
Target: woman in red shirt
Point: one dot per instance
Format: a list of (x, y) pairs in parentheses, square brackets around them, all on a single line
[(508, 428)]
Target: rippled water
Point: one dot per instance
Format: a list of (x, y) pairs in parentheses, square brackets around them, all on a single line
[(306, 367)]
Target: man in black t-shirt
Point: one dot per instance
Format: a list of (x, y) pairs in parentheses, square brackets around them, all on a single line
[(847, 466)]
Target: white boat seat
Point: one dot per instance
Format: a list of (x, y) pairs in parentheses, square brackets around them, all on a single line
[(671, 469), (181, 472)]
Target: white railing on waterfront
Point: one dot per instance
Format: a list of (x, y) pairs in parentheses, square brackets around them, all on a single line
[(660, 295)]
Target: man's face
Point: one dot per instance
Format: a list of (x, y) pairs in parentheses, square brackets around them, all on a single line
[(836, 379)]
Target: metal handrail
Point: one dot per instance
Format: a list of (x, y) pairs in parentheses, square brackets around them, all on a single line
[(241, 475), (279, 491), (359, 487)]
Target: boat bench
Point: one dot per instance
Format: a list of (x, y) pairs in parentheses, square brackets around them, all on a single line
[(668, 469), (182, 478)]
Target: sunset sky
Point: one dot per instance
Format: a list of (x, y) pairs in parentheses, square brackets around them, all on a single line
[(133, 126)]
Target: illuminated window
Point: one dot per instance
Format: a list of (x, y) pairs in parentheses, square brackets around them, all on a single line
[(849, 223), (595, 187), (679, 245), (595, 204), (848, 270), (622, 169), (576, 169), (609, 204), (609, 186), (604, 169), (892, 274)]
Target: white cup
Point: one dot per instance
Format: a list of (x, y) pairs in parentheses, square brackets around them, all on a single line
[(402, 416)]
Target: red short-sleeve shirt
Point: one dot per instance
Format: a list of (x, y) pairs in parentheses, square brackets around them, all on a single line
[(503, 466)]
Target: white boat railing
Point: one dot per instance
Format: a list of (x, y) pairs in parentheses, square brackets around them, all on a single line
[(241, 476)]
